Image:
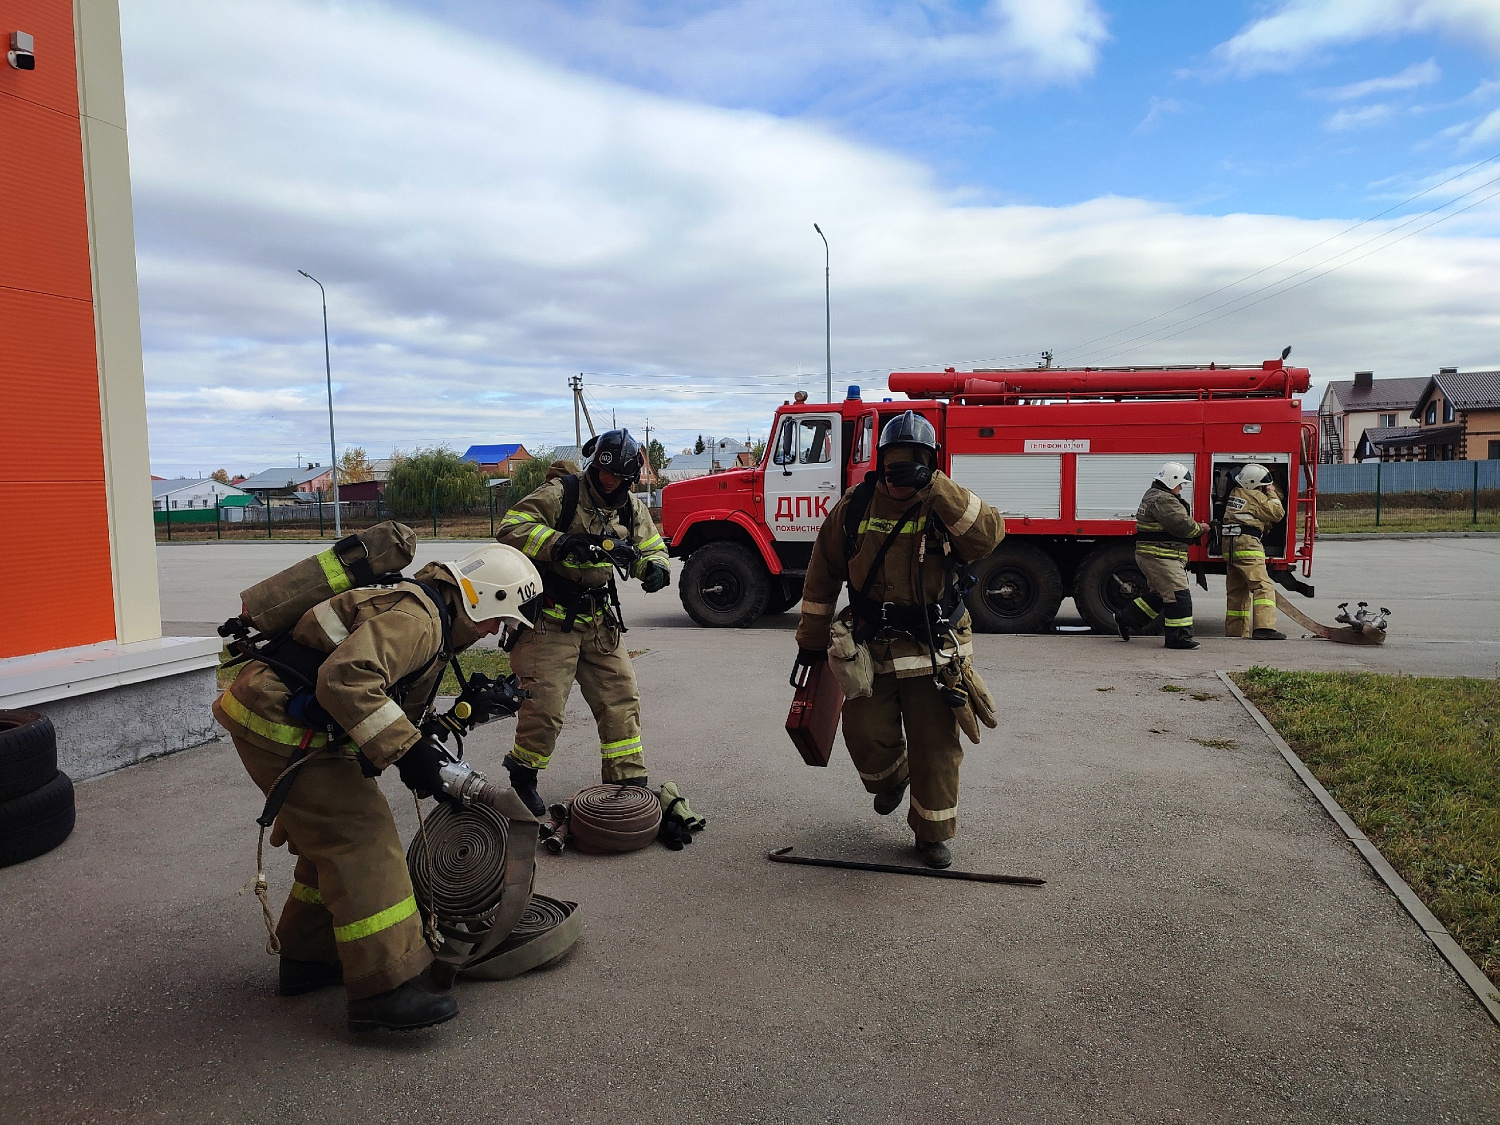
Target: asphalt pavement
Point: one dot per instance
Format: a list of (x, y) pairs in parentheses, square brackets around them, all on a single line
[(1208, 947)]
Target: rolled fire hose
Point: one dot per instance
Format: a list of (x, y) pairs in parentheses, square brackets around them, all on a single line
[(472, 867), (544, 935), (614, 818)]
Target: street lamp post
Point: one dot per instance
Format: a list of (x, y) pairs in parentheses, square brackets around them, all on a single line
[(333, 450), (827, 314)]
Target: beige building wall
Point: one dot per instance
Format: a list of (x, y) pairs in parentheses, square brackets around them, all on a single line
[(117, 318)]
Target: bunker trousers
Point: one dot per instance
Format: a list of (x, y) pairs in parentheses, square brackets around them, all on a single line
[(905, 730), (1251, 596), (352, 898), (548, 661), (1168, 594)]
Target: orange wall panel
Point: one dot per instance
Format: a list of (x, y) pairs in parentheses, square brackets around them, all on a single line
[(56, 585)]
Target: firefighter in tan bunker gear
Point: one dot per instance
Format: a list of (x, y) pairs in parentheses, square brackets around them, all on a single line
[(905, 733), (578, 636), (351, 917), (1253, 508), (1164, 529)]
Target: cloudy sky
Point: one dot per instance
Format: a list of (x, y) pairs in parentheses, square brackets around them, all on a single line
[(498, 196)]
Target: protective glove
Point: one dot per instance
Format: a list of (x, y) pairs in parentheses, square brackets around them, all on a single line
[(576, 544), (419, 767), (908, 474), (656, 577), (806, 658), (673, 803), (367, 767), (674, 833)]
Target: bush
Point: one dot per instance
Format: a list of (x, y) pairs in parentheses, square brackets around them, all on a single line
[(428, 476), (528, 476)]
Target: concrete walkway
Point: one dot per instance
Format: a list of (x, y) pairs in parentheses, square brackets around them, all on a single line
[(1208, 947)]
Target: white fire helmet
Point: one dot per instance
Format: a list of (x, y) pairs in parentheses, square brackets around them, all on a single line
[(1253, 476), (498, 581), (1174, 473)]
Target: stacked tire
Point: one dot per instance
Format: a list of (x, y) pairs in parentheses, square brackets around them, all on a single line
[(36, 798)]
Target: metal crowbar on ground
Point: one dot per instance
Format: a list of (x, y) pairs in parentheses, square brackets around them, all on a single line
[(783, 855), (1357, 632)]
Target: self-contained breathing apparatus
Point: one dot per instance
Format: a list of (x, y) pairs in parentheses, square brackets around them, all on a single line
[(876, 620), (573, 598)]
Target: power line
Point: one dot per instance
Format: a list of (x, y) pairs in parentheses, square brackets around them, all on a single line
[(1315, 277), (1308, 250), (1298, 273)]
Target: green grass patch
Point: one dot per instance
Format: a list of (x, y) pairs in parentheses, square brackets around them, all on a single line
[(491, 661), (1200, 696), (1415, 761), (1406, 520), (1171, 687)]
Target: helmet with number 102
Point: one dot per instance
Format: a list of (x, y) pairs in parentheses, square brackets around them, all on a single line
[(498, 581)]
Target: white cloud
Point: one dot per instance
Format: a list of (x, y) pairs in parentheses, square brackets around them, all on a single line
[(1299, 28), (1160, 109), (1413, 77), (488, 224), (778, 52), (1359, 118)]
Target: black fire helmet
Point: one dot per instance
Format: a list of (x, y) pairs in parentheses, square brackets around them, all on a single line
[(617, 452), (909, 431)]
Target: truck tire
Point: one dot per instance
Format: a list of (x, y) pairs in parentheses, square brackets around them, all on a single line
[(1098, 595), (784, 596), (28, 752), (37, 822), (725, 585), (1016, 590)]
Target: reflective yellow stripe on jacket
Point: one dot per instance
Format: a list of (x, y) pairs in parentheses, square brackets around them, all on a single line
[(284, 733)]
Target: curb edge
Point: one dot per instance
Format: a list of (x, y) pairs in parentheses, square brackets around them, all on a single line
[(1484, 991)]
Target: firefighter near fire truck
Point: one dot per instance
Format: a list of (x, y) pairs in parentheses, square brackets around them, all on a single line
[(582, 529), (1252, 509), (1164, 529), (902, 540), (321, 707)]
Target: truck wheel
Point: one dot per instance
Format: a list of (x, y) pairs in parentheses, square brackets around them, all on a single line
[(783, 596), (1016, 590), (1106, 583), (725, 585)]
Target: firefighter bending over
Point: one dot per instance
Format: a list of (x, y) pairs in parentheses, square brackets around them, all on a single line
[(907, 523), (1164, 528), (581, 527), (379, 654), (1253, 508)]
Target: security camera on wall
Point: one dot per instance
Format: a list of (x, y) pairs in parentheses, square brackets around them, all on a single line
[(22, 53)]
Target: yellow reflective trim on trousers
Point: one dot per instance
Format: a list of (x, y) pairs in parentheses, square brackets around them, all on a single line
[(621, 748), (1236, 613), (1144, 608), (1178, 623), (1161, 551), (530, 757), (1249, 556), (333, 570), (384, 920), (1265, 601), (310, 895), (284, 733)]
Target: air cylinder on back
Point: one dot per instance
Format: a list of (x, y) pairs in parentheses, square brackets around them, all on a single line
[(276, 604)]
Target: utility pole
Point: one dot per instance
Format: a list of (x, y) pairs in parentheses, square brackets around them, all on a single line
[(576, 382), (650, 471), (827, 313), (333, 449)]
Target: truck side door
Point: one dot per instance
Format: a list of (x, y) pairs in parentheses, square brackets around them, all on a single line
[(803, 475)]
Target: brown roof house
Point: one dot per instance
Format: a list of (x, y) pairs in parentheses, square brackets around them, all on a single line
[(1456, 416), (1352, 406)]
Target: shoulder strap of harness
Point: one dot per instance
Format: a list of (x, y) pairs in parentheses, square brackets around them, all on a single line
[(570, 486), (854, 513)]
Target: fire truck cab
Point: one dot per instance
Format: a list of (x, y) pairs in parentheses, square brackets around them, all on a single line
[(1063, 453)]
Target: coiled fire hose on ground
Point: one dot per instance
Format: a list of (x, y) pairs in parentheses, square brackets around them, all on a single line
[(472, 865), (613, 818)]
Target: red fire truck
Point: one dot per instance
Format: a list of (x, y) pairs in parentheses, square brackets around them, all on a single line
[(1063, 453)]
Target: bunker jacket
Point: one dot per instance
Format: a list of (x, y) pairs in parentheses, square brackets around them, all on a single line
[(380, 640), (1164, 524), (974, 529)]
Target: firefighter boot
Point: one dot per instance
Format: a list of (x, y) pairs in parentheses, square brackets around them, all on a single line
[(404, 1008), (1268, 635), (887, 802), (298, 977), (1122, 627), (934, 853), (523, 781)]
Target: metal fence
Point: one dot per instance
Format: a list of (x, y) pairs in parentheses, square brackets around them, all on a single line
[(1409, 476)]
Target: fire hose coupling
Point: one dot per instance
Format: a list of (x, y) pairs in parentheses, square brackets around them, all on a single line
[(462, 782)]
